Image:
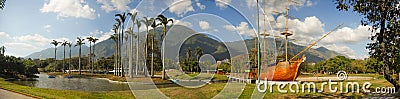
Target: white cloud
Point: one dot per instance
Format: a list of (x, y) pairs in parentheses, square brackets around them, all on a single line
[(223, 3), (4, 35), (202, 7), (69, 8), (243, 29), (309, 3), (184, 23), (204, 25), (303, 31), (279, 5), (101, 35), (24, 46), (35, 39), (343, 50), (47, 28), (348, 35), (114, 5), (215, 30), (181, 8)]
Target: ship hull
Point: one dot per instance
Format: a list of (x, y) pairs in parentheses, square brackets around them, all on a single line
[(283, 71)]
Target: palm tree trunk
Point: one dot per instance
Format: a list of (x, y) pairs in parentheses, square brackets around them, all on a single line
[(162, 54), (55, 58), (122, 43), (115, 58), (93, 58), (90, 52), (152, 54), (63, 69), (79, 60), (130, 55), (137, 53), (69, 67)]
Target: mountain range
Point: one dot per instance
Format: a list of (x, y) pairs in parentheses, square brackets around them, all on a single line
[(206, 42)]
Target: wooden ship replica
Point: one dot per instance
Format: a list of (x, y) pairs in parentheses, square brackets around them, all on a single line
[(284, 70)]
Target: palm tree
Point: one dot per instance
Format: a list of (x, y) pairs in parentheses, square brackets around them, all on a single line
[(114, 37), (79, 42), (2, 50), (147, 22), (189, 58), (198, 52), (122, 18), (133, 16), (94, 48), (90, 39), (138, 24), (70, 58), (116, 30), (64, 44), (55, 43), (164, 21), (154, 26)]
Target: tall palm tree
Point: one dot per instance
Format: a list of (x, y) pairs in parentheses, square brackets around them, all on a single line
[(70, 58), (79, 42), (116, 29), (154, 26), (198, 52), (133, 17), (138, 24), (90, 39), (114, 37), (2, 50), (93, 51), (147, 22), (64, 44), (164, 21), (55, 43), (122, 18)]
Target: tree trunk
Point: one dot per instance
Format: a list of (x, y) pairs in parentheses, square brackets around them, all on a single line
[(79, 60)]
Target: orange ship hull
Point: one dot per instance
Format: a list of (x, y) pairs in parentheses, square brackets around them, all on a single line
[(284, 71)]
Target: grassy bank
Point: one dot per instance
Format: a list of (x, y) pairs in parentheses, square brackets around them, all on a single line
[(64, 94), (76, 74), (207, 91)]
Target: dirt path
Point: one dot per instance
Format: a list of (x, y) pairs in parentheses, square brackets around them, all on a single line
[(4, 94)]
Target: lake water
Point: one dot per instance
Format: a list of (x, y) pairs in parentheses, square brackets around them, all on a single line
[(82, 84)]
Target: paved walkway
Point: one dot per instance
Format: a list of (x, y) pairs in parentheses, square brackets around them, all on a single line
[(4, 94)]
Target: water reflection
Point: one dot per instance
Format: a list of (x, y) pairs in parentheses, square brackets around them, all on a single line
[(83, 84)]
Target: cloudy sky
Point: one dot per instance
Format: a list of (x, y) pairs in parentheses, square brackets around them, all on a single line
[(28, 26)]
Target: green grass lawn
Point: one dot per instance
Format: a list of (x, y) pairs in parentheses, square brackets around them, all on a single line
[(207, 91)]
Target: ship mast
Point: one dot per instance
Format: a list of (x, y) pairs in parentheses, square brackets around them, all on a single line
[(286, 33), (265, 34)]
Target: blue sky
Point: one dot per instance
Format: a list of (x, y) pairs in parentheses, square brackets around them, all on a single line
[(30, 26)]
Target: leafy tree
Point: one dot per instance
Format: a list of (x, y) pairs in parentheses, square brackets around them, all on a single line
[(226, 67), (358, 66), (383, 17)]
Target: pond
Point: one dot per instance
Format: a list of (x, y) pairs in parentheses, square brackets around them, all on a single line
[(82, 84)]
